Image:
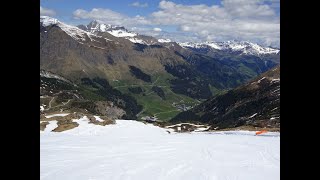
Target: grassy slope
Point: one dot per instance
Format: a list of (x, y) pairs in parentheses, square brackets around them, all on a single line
[(151, 102)]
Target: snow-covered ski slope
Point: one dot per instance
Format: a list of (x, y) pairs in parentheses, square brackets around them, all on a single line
[(131, 150)]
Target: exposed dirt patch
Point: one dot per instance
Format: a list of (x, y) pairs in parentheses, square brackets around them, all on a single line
[(106, 120), (42, 116), (66, 122), (63, 118), (64, 125), (43, 119), (92, 119), (43, 126)]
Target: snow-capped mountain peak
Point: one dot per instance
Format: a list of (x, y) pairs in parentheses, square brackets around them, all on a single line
[(73, 31), (47, 21), (97, 26), (243, 47), (117, 31), (82, 33)]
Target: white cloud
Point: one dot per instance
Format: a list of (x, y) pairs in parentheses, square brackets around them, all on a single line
[(110, 17), (138, 4), (47, 12), (157, 29), (105, 15), (247, 8), (249, 20)]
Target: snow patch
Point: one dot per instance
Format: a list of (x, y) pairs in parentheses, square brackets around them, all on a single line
[(98, 118), (253, 115), (261, 79), (202, 129), (136, 40), (275, 80), (51, 75), (164, 40), (214, 46), (122, 33), (55, 115)]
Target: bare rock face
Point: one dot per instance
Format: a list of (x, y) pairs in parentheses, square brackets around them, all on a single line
[(108, 109)]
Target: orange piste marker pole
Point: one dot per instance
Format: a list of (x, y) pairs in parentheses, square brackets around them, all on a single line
[(260, 132)]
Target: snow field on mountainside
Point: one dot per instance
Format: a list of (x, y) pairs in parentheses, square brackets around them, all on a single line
[(138, 151)]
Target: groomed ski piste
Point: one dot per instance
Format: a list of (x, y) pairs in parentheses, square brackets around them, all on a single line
[(131, 150)]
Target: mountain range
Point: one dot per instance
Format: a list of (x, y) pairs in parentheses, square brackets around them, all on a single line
[(142, 75), (256, 103)]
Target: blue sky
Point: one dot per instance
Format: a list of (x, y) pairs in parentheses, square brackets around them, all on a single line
[(64, 8), (180, 20)]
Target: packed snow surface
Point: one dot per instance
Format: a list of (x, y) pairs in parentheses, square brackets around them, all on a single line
[(137, 151)]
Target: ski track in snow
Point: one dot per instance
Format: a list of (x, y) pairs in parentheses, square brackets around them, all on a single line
[(136, 151)]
